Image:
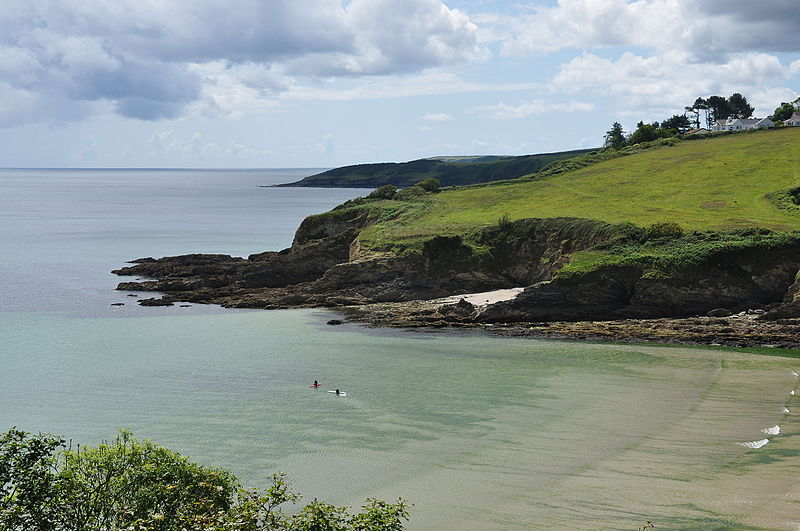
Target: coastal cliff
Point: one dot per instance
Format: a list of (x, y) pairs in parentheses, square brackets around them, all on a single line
[(325, 267), (670, 230)]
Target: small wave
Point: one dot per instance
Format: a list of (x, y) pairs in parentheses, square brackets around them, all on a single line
[(754, 444), (786, 410), (775, 430), (791, 392), (795, 374)]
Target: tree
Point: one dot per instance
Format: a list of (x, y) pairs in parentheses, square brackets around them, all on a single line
[(141, 486), (739, 106), (718, 108), (784, 112), (28, 481), (701, 105), (647, 133), (677, 122), (615, 137)]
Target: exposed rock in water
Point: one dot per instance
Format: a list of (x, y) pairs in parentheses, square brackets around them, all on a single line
[(335, 322), (155, 302)]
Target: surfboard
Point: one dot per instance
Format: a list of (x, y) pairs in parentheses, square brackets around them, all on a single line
[(319, 384), (341, 393)]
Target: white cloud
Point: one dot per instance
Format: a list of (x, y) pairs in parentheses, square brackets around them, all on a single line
[(437, 117), (794, 68), (428, 83), (668, 82), (503, 111), (147, 58), (704, 28), (326, 146)]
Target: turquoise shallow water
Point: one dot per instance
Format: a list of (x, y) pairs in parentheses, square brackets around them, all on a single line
[(477, 432)]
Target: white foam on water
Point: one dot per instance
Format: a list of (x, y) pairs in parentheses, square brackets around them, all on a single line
[(775, 430), (754, 444), (791, 392), (795, 374), (786, 410)]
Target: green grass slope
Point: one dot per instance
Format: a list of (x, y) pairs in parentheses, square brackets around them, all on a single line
[(451, 171), (712, 184)]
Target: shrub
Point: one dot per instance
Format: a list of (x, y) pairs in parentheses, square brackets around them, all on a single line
[(387, 191), (504, 221), (429, 185), (667, 230), (141, 486), (410, 193)]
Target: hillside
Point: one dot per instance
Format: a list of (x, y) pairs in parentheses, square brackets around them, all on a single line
[(451, 171), (670, 230), (711, 184)]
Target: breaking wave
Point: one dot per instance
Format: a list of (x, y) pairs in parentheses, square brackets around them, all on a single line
[(754, 444)]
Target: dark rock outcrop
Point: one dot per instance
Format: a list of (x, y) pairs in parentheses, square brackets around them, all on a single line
[(327, 267), (735, 280)]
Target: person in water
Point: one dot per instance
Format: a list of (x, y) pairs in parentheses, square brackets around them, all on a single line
[(316, 384), (337, 392)]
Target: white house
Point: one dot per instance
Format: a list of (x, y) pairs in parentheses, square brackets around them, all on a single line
[(742, 124), (794, 120)]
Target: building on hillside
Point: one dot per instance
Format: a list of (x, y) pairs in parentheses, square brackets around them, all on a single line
[(742, 124), (700, 131), (794, 120)]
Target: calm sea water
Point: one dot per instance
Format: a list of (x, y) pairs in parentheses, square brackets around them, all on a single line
[(477, 432)]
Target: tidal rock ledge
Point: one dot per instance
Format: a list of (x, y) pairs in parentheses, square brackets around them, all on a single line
[(326, 267)]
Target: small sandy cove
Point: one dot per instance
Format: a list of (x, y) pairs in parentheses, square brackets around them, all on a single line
[(485, 298)]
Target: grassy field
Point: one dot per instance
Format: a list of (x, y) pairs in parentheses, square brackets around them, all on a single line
[(712, 184)]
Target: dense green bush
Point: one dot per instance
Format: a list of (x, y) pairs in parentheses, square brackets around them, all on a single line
[(430, 185), (665, 230), (387, 191), (410, 193), (137, 485)]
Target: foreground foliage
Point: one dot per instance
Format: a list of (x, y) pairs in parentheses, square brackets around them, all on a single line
[(141, 486)]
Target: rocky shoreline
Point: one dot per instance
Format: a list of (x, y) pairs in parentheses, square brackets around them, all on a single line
[(744, 329), (742, 297)]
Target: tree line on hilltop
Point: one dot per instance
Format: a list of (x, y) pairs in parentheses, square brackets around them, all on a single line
[(712, 110)]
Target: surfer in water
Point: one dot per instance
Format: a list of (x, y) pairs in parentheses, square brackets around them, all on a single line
[(337, 392), (316, 384)]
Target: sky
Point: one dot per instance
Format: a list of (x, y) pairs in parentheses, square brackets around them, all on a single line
[(325, 83)]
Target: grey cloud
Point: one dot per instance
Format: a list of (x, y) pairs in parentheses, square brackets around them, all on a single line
[(142, 56), (148, 91), (736, 25), (775, 11)]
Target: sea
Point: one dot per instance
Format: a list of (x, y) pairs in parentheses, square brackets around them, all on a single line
[(477, 432)]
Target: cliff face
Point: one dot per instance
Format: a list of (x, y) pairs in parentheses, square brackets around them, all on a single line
[(731, 281), (326, 267)]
